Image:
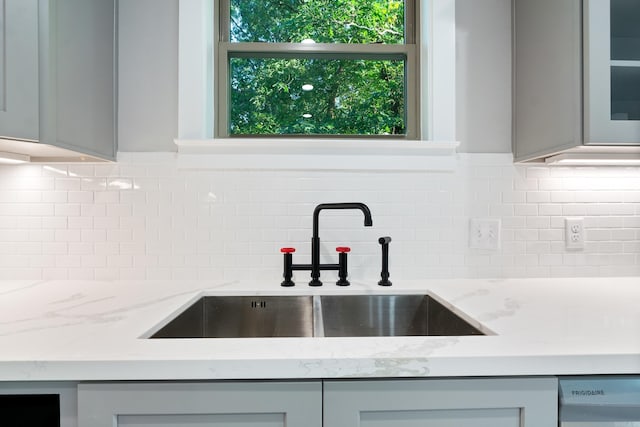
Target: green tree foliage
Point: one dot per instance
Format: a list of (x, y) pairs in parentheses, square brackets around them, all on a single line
[(349, 96)]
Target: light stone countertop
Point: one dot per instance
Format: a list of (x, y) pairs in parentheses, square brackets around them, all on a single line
[(91, 330)]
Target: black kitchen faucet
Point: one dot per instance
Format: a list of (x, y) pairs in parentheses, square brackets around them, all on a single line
[(315, 265)]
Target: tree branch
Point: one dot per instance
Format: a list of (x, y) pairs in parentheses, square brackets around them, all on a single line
[(375, 30)]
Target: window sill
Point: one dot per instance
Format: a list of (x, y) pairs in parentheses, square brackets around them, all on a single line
[(301, 154)]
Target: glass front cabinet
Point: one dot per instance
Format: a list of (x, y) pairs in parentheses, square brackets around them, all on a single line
[(576, 68), (611, 31)]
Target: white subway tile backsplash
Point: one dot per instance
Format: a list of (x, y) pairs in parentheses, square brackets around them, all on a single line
[(93, 236), (514, 222), (54, 171), (632, 196), (132, 248), (67, 184), (68, 261), (66, 209), (535, 172), (13, 235), (82, 274), (103, 222), (514, 247), (538, 197), (551, 235), (513, 196), (80, 248), (116, 183), (551, 184), (632, 247), (603, 222), (539, 247), (54, 273), (150, 220), (538, 222), (595, 209), (82, 170), (54, 248), (94, 261), (610, 248), (526, 235), (501, 210), (89, 183), (549, 209), (623, 234), (103, 197), (119, 210), (548, 259), (20, 196), (106, 248), (52, 196), (92, 210), (631, 222), (620, 209), (30, 223), (598, 234), (574, 209), (67, 235), (82, 197), (81, 222), (525, 210), (41, 235)]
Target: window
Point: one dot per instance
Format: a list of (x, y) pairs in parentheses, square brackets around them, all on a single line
[(199, 97), (346, 68)]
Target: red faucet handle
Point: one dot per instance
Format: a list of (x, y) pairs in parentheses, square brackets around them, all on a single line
[(343, 249), (287, 250)]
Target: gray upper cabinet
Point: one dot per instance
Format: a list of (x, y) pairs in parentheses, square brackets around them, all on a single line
[(19, 69), (577, 76), (612, 71), (57, 84)]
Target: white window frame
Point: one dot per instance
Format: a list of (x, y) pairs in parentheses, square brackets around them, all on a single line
[(196, 115)]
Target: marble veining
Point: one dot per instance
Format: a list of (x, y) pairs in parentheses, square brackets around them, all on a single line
[(95, 330)]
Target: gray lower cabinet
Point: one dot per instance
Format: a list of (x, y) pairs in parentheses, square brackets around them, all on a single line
[(200, 404), (57, 78), (509, 402), (477, 402)]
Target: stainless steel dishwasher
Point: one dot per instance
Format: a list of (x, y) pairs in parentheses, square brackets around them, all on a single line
[(600, 401)]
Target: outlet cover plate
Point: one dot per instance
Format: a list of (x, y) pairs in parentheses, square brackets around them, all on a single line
[(574, 233), (484, 233)]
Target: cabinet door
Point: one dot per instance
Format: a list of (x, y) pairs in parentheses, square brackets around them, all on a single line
[(547, 64), (442, 403), (78, 91), (612, 72), (19, 69), (197, 404)]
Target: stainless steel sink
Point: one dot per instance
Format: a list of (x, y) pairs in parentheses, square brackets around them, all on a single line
[(390, 315), (243, 317), (319, 316)]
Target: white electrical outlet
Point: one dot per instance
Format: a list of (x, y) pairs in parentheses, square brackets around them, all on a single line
[(484, 233), (574, 233)]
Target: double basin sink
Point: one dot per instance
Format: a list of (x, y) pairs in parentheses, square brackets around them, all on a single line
[(317, 316)]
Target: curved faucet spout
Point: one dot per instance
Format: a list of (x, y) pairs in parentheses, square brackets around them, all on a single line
[(368, 222), (315, 240)]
